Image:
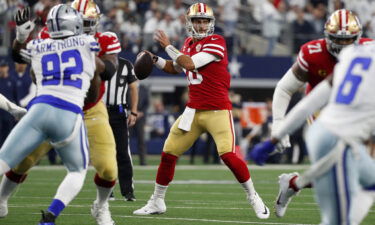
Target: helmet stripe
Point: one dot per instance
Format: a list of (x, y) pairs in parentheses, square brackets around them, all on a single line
[(85, 7), (340, 19), (79, 5), (199, 7), (347, 20), (204, 7), (57, 18)]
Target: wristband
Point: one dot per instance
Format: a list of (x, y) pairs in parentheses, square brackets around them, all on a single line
[(134, 114), (160, 62), (173, 52)]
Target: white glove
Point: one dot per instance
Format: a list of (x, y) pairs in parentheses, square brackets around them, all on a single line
[(24, 25), (283, 142)]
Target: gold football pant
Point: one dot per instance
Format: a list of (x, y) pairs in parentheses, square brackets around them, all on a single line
[(101, 143), (219, 123)]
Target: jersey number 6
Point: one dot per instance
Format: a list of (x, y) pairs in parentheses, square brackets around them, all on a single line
[(51, 69), (353, 78)]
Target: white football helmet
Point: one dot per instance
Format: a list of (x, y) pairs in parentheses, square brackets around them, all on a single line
[(64, 21), (90, 13), (342, 29), (200, 10)]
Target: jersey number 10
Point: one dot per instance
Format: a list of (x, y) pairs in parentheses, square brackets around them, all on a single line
[(51, 69)]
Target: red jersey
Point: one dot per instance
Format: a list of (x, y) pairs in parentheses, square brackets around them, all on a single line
[(315, 59), (108, 43), (208, 85)]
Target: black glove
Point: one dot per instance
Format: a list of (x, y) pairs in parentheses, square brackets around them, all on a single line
[(22, 16)]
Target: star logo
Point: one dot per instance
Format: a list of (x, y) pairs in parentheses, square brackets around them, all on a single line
[(235, 67)]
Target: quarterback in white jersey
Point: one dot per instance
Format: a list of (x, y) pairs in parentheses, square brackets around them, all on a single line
[(63, 67), (336, 141)]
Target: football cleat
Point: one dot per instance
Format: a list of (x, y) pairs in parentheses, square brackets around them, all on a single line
[(3, 209), (47, 218), (153, 206), (102, 214), (261, 210), (130, 197), (285, 193)]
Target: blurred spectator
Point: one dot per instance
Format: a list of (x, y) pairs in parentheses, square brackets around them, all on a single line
[(148, 32), (21, 74), (272, 20), (166, 24), (138, 130), (319, 14), (131, 35), (8, 89), (302, 30), (178, 26), (176, 10), (228, 10), (159, 121)]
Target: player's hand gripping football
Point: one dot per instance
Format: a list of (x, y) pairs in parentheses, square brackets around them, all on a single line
[(259, 154), (162, 38), (24, 24)]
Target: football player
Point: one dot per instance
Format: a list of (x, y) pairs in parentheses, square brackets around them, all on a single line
[(63, 66), (203, 58), (338, 137), (100, 136), (315, 62)]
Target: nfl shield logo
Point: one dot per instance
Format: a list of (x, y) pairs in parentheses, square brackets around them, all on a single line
[(198, 47)]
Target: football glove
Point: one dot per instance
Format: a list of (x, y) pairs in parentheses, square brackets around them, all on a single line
[(259, 154), (284, 142), (24, 25)]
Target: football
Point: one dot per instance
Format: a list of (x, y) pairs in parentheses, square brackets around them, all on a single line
[(143, 65)]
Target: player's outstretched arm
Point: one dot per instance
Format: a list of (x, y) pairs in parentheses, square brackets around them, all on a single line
[(289, 84), (24, 26), (12, 108), (110, 62), (294, 119)]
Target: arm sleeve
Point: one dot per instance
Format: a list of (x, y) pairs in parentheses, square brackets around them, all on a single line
[(203, 58), (306, 107), (285, 88)]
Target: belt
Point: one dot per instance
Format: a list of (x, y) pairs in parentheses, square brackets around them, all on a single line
[(116, 108)]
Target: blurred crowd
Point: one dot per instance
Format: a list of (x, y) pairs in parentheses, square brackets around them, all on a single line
[(287, 22)]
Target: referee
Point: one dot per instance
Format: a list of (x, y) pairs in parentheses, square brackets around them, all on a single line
[(120, 119)]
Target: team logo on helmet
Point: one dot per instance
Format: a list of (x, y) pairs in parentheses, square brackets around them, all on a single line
[(200, 10), (342, 29)]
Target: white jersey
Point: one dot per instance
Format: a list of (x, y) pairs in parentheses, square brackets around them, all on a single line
[(63, 68), (350, 113)]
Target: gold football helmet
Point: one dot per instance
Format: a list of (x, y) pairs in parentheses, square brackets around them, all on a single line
[(200, 11), (342, 29), (90, 13)]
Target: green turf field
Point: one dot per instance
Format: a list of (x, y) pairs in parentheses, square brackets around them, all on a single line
[(199, 195)]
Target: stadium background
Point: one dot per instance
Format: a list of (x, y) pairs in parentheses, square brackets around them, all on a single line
[(263, 37)]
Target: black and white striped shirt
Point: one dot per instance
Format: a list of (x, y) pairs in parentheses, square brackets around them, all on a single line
[(116, 88)]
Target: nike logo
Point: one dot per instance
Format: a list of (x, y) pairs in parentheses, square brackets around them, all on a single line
[(265, 210), (214, 39)]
